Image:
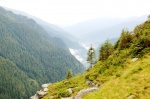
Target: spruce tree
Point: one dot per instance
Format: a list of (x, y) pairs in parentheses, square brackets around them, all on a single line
[(91, 58), (69, 74), (125, 39)]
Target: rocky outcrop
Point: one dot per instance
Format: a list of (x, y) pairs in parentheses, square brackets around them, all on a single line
[(34, 97), (42, 92), (45, 85), (85, 91), (81, 92)]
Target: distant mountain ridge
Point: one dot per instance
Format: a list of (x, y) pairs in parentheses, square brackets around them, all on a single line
[(98, 30), (29, 56)]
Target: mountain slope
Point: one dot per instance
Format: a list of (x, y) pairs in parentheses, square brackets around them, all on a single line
[(38, 57), (55, 31), (114, 31), (80, 29), (72, 42), (132, 81), (123, 74)]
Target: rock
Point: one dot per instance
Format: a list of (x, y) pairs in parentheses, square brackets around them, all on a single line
[(87, 82), (96, 85), (90, 83), (45, 89), (41, 94), (67, 98), (132, 97), (45, 85), (51, 97), (85, 91), (70, 90), (134, 59), (34, 97)]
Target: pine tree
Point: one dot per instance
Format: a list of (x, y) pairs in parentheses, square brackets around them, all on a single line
[(105, 50), (69, 74), (125, 39), (91, 58)]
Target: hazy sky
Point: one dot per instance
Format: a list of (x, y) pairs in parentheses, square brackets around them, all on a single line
[(68, 12)]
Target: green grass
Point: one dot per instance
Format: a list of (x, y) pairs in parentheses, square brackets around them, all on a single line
[(76, 83), (135, 79), (116, 82)]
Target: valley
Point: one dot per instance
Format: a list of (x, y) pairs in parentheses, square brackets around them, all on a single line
[(98, 58)]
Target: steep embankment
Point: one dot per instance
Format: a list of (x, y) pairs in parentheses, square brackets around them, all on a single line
[(29, 57), (121, 72)]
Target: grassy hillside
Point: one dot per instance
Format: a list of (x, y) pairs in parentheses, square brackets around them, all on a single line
[(116, 74), (30, 57), (133, 79)]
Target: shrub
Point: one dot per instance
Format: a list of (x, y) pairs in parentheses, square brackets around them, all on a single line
[(64, 94)]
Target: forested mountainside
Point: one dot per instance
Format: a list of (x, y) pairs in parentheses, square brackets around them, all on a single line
[(122, 71), (30, 57), (55, 31)]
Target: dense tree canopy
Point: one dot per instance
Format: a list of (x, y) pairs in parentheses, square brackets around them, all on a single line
[(30, 57)]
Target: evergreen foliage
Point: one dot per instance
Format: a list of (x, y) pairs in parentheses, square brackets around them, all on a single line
[(14, 83), (141, 39), (105, 50), (30, 57), (69, 74), (125, 39), (91, 57)]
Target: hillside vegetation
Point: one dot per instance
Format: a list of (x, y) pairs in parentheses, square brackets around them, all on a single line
[(30, 57), (117, 73)]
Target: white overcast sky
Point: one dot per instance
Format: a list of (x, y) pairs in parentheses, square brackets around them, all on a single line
[(68, 12)]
